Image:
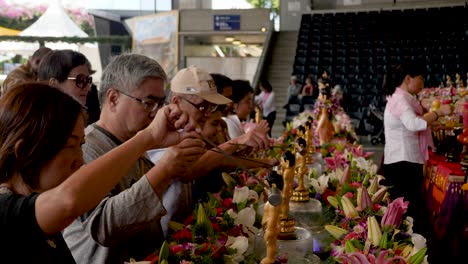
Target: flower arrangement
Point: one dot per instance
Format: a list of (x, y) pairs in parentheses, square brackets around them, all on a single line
[(367, 226), (370, 233), (220, 230)]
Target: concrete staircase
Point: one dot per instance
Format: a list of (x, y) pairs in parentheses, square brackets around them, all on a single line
[(278, 70)]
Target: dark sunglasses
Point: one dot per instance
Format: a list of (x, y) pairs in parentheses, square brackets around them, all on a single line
[(81, 80), (204, 107)]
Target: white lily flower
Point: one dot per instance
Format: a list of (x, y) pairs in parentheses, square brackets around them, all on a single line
[(246, 217), (361, 163), (320, 184), (409, 222), (419, 243), (336, 174), (241, 194), (241, 243), (253, 195), (232, 214)]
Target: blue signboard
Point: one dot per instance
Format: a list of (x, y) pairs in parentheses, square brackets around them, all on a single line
[(226, 22)]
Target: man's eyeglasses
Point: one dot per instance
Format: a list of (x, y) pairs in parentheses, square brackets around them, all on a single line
[(149, 105), (204, 107), (81, 80)]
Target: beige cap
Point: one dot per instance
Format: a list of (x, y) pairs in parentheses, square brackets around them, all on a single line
[(196, 81)]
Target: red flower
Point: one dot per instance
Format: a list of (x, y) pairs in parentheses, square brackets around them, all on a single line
[(183, 235), (151, 257), (349, 195), (376, 207), (216, 227), (175, 249), (226, 203), (205, 248), (236, 231), (327, 193), (219, 252), (219, 212), (188, 220)]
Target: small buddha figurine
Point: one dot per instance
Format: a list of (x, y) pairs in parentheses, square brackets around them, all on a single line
[(324, 86), (458, 81), (466, 79), (301, 131), (325, 129), (308, 138), (300, 194), (271, 220), (258, 115), (288, 163), (448, 81)]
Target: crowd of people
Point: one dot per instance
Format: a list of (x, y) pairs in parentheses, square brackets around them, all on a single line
[(78, 190), (95, 175)]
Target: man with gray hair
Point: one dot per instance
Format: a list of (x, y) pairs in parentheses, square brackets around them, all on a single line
[(127, 223)]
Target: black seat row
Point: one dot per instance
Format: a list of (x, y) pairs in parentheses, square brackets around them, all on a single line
[(357, 47)]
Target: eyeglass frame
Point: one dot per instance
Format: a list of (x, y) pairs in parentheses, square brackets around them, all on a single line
[(161, 101), (201, 108), (89, 80)]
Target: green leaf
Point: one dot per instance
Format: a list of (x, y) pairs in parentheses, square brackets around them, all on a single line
[(241, 205), (175, 226), (163, 253)]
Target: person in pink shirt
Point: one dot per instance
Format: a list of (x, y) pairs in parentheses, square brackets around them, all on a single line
[(407, 134)]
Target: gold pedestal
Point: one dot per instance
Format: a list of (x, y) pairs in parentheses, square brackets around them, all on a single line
[(309, 159), (287, 226), (300, 196)]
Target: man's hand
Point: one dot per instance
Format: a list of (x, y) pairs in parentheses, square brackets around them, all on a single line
[(178, 159), (170, 126)]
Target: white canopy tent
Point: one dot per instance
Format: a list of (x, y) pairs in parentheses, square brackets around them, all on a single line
[(55, 23)]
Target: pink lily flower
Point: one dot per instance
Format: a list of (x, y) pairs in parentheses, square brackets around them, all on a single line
[(394, 214)]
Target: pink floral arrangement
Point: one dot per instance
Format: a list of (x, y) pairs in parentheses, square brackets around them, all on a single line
[(26, 15)]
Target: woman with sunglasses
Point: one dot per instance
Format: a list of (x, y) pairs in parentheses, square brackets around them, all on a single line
[(43, 183), (69, 71)]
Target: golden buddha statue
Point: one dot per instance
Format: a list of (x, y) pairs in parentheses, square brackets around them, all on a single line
[(271, 220), (300, 194), (288, 163)]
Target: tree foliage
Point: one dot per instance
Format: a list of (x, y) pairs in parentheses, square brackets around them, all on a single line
[(272, 4)]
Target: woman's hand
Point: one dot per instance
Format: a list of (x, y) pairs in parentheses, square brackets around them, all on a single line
[(444, 110), (254, 139)]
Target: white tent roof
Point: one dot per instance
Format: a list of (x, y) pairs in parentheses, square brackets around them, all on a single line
[(54, 23)]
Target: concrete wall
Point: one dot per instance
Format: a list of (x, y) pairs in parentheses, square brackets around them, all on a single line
[(235, 68), (191, 4), (202, 20), (291, 12)]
